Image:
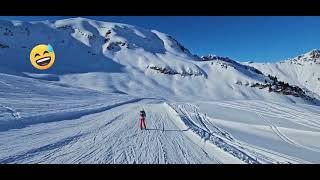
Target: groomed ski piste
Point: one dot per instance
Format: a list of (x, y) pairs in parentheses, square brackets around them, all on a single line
[(85, 110)]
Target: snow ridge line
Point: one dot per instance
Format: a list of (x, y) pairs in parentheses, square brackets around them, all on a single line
[(58, 116), (211, 137)]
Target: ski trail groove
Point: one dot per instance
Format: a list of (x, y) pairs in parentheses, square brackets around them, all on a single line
[(282, 136)]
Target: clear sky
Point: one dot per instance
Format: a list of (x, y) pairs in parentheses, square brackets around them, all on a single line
[(243, 38)]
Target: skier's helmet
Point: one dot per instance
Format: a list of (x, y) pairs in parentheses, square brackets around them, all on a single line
[(142, 113)]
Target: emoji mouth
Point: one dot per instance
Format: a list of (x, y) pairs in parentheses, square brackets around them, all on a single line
[(43, 61)]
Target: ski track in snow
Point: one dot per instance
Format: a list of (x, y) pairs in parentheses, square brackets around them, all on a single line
[(111, 136), (281, 135), (265, 112), (302, 118), (210, 136)]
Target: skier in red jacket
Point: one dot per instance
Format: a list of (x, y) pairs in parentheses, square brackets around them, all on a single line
[(142, 119)]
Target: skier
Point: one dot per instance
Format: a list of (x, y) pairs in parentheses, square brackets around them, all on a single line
[(142, 119)]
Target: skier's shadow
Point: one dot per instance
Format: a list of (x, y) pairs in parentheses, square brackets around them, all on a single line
[(176, 130)]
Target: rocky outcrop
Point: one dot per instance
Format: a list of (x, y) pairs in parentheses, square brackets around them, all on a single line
[(310, 57), (280, 87), (169, 71)]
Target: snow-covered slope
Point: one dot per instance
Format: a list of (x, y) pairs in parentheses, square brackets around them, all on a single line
[(116, 57), (45, 122), (303, 70), (84, 109)]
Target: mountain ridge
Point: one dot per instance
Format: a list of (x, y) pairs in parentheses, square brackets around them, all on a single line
[(105, 56)]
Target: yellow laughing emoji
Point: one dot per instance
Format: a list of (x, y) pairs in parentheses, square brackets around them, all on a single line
[(42, 56)]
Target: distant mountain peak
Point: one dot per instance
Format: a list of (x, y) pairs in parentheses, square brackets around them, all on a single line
[(315, 53), (311, 56)]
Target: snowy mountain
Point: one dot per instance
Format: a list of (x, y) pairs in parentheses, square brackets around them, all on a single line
[(303, 70), (116, 57), (208, 109), (312, 56)]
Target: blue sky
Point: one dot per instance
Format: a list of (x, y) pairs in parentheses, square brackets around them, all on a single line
[(244, 38)]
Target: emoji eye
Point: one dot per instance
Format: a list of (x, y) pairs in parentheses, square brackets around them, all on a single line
[(36, 55), (45, 52)]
